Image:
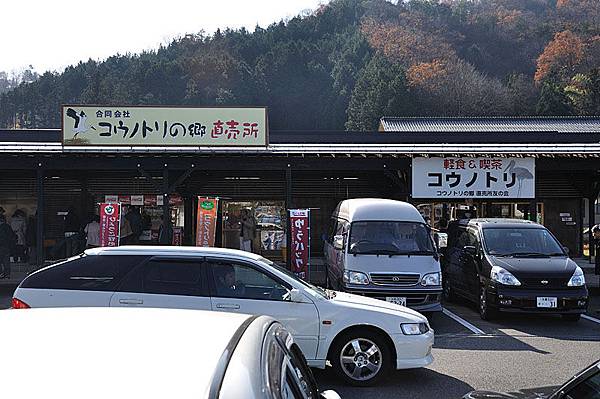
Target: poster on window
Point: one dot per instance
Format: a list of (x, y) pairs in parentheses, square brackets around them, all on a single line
[(110, 223), (300, 244), (461, 177), (206, 221)]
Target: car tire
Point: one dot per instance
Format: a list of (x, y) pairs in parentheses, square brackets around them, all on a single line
[(486, 312), (447, 292), (365, 366), (571, 317)]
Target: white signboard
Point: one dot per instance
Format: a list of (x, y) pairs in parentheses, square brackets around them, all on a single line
[(473, 178)]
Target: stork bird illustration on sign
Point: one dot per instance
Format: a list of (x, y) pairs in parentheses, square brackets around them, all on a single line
[(80, 122), (520, 173)]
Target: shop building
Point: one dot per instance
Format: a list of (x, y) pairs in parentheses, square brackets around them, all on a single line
[(310, 169)]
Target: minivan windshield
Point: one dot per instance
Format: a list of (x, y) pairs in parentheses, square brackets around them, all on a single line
[(390, 238), (521, 242)]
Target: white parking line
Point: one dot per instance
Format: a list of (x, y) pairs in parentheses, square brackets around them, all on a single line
[(463, 322), (593, 320)]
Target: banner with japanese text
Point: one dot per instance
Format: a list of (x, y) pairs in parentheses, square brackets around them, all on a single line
[(455, 177), (110, 224), (206, 221), (300, 248), (163, 126)]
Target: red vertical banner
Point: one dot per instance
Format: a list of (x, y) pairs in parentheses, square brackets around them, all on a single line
[(177, 236), (300, 248), (110, 224), (206, 221)]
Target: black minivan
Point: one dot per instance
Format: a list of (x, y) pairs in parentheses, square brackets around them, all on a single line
[(512, 265)]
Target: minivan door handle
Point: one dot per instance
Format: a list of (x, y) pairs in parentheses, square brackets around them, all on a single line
[(131, 301), (227, 306)]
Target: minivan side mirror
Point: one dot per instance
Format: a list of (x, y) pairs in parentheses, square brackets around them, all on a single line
[(338, 242), (566, 250), (329, 394), (295, 295), (471, 250)]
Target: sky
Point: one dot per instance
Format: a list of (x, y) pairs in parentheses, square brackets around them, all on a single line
[(52, 34)]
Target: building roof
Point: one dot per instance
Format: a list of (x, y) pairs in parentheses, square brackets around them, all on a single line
[(564, 137), (492, 124)]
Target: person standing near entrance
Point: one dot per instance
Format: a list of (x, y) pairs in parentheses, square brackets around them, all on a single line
[(596, 243), (92, 231), (8, 241), (247, 231), (72, 228), (135, 222), (18, 223)]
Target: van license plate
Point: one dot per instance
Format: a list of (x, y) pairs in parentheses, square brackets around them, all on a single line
[(398, 300), (547, 302)]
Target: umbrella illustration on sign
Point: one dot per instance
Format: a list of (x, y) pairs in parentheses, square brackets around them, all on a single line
[(80, 122), (520, 173)]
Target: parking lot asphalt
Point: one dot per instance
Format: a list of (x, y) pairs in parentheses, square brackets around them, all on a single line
[(514, 352)]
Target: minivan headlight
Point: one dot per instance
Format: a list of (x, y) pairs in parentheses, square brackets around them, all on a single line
[(503, 277), (414, 328), (432, 279), (578, 279), (351, 277)]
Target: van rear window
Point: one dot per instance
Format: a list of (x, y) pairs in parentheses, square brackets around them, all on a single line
[(86, 272)]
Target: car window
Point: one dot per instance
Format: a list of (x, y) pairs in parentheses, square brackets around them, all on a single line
[(504, 241), (167, 277), (332, 229), (234, 280), (85, 272), (587, 389), (381, 237), (299, 375)]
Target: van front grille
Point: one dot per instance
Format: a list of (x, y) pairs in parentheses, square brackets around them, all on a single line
[(395, 279)]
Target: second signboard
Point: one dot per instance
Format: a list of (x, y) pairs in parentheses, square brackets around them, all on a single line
[(455, 177)]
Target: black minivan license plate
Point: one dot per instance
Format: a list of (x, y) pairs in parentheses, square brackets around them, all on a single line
[(547, 302)]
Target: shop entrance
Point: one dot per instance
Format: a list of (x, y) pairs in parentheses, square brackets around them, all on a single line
[(435, 213), (269, 226)]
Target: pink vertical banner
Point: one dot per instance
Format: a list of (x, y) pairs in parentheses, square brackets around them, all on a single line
[(300, 248), (110, 224)]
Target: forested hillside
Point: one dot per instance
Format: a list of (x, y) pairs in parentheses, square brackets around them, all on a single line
[(351, 62)]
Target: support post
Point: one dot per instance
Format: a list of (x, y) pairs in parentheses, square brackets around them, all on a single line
[(591, 224), (533, 210), (288, 206), (166, 207), (40, 217)]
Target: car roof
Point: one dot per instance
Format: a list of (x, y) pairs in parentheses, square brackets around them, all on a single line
[(500, 223), (378, 209), (70, 353), (171, 251)]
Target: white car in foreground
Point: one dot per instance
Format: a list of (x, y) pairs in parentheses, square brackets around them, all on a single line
[(363, 338), (74, 353)]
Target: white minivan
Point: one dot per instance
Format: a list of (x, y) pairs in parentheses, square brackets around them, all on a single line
[(383, 249)]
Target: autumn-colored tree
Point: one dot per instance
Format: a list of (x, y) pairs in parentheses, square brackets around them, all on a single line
[(405, 44), (560, 57)]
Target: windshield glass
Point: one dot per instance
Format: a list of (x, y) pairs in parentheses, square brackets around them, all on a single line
[(390, 238), (519, 241), (312, 289)]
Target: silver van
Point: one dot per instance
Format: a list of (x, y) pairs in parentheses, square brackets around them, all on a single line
[(383, 249)]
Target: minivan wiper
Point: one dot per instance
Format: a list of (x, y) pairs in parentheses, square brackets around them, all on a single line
[(528, 254)]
